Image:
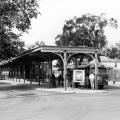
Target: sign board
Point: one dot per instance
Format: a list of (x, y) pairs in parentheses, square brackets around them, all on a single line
[(78, 75)]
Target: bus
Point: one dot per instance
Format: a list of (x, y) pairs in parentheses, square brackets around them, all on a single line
[(102, 75)]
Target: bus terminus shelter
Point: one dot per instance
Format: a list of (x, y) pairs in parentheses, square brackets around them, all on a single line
[(32, 64)]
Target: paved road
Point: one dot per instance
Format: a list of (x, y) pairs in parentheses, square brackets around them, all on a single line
[(24, 104)]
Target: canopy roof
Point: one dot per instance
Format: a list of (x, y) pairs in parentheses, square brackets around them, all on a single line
[(44, 53)]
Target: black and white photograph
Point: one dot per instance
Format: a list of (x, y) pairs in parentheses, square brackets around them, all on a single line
[(59, 60)]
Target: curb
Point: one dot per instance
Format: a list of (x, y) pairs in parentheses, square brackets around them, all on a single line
[(72, 91)]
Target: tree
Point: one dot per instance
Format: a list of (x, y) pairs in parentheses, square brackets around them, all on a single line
[(112, 52), (36, 44), (15, 19), (87, 30)]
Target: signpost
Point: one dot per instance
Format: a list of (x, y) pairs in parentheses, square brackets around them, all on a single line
[(79, 76)]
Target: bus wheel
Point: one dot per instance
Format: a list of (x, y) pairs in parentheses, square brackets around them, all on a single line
[(100, 86)]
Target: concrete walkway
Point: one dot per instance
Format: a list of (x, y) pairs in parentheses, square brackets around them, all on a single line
[(14, 85), (72, 90), (17, 82), (62, 90)]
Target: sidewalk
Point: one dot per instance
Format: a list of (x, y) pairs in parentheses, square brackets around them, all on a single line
[(17, 82), (21, 84), (72, 90), (14, 85)]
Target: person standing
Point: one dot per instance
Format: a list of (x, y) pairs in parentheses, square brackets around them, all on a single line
[(92, 78), (59, 80), (53, 80)]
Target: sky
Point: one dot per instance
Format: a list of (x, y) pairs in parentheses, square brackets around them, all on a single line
[(54, 13)]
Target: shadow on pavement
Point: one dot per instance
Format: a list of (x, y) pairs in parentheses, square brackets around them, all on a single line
[(112, 87), (16, 87), (8, 86)]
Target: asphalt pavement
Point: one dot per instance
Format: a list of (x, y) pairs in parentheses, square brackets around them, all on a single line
[(38, 103), (14, 85)]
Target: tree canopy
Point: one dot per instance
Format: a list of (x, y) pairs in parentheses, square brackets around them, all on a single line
[(36, 44), (15, 18), (112, 52), (87, 30)]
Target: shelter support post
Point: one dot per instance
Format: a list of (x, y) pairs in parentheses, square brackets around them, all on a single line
[(30, 74), (65, 70), (10, 73), (50, 73), (113, 76), (19, 72), (43, 72), (39, 75), (96, 71), (24, 73), (16, 73), (13, 73)]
